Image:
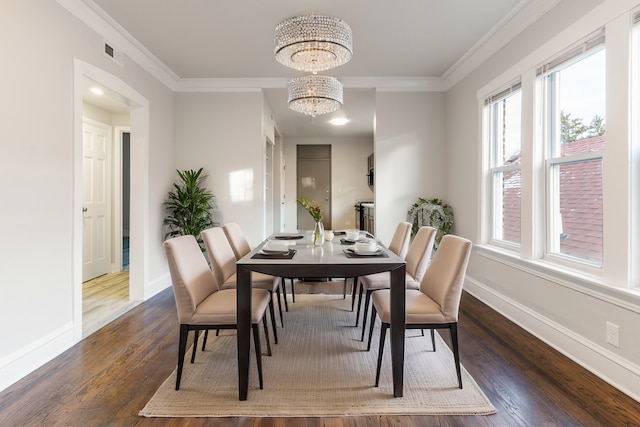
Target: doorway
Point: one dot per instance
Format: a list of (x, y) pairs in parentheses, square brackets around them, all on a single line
[(314, 182), (138, 110)]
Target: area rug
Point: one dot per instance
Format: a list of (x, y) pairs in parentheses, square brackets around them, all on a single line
[(319, 368)]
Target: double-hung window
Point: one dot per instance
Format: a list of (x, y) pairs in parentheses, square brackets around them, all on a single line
[(504, 124), (573, 123)]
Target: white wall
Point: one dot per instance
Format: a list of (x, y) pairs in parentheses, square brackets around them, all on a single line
[(222, 132), (409, 149), (566, 311), (348, 178), (39, 41)]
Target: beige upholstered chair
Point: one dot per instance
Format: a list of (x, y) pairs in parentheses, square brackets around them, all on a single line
[(399, 245), (241, 247), (223, 266), (200, 305), (418, 258), (435, 305)]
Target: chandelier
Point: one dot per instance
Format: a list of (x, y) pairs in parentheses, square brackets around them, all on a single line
[(314, 95), (313, 43)]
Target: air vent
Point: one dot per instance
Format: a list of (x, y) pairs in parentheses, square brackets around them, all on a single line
[(108, 50), (117, 56)]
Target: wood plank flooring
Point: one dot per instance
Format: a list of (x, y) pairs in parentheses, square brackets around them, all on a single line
[(108, 377), (104, 299)]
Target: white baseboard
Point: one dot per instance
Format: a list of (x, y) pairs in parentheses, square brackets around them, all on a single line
[(158, 285), (19, 364), (615, 370)]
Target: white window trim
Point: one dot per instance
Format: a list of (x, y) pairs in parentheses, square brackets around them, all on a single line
[(620, 250)]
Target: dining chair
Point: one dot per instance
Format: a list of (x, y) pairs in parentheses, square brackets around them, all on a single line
[(241, 247), (199, 302), (223, 266), (435, 304), (417, 259), (399, 245)]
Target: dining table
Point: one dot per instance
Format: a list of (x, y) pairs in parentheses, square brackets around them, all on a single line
[(334, 258)]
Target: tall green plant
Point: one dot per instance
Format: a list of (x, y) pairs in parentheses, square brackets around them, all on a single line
[(434, 213), (189, 206)]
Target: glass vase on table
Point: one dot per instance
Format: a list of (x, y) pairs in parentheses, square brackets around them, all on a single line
[(318, 233)]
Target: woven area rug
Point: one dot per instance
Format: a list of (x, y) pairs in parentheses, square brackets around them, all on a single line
[(319, 368)]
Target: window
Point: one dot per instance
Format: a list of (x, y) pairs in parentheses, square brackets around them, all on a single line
[(573, 88), (504, 124)]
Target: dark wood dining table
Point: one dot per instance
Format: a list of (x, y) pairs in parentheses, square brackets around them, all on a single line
[(326, 260)]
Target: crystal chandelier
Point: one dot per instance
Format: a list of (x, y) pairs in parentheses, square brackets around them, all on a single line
[(313, 43), (314, 95)]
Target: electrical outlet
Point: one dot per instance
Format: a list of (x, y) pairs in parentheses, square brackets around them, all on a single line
[(613, 334)]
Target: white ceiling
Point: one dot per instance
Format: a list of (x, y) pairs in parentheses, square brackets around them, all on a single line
[(420, 40)]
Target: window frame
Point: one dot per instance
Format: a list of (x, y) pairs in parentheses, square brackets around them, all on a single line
[(496, 173), (551, 140)]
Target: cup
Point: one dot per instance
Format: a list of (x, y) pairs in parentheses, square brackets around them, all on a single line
[(352, 235), (368, 246), (328, 235)]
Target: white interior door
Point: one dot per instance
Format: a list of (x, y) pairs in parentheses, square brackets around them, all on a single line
[(96, 227)]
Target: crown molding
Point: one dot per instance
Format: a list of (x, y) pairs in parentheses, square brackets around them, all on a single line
[(382, 84), (520, 18), (113, 33)]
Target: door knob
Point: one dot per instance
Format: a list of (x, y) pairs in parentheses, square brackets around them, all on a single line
[(84, 210)]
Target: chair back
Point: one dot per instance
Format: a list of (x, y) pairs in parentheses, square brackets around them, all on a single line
[(221, 256), (400, 242), (443, 280), (236, 238), (191, 277), (419, 253)]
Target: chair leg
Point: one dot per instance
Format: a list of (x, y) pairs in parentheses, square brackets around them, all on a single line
[(344, 289), (195, 345), (353, 292), (272, 313), (453, 328), (280, 306), (293, 292), (359, 304), (383, 333), (256, 341), (433, 339), (374, 312), (364, 314), (266, 334), (182, 344), (204, 339)]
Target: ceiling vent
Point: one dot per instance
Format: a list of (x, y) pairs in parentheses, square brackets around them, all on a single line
[(118, 57)]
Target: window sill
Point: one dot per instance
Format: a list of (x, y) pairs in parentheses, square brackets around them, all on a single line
[(563, 276)]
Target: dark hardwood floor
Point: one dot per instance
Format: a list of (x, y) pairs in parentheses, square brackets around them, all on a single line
[(109, 376)]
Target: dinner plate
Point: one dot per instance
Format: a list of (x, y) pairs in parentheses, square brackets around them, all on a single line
[(272, 252), (288, 236), (378, 251)]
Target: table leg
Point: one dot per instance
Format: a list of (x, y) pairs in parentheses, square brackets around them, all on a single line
[(243, 299), (398, 304)]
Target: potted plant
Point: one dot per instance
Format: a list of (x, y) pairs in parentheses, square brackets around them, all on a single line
[(189, 206), (433, 213)]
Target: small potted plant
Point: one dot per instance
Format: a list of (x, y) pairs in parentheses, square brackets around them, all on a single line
[(189, 205), (433, 213)]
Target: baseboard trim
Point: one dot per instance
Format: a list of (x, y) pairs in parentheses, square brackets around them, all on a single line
[(615, 370), (21, 363), (157, 285)]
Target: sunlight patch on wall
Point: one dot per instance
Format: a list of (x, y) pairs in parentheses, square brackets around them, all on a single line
[(241, 185)]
